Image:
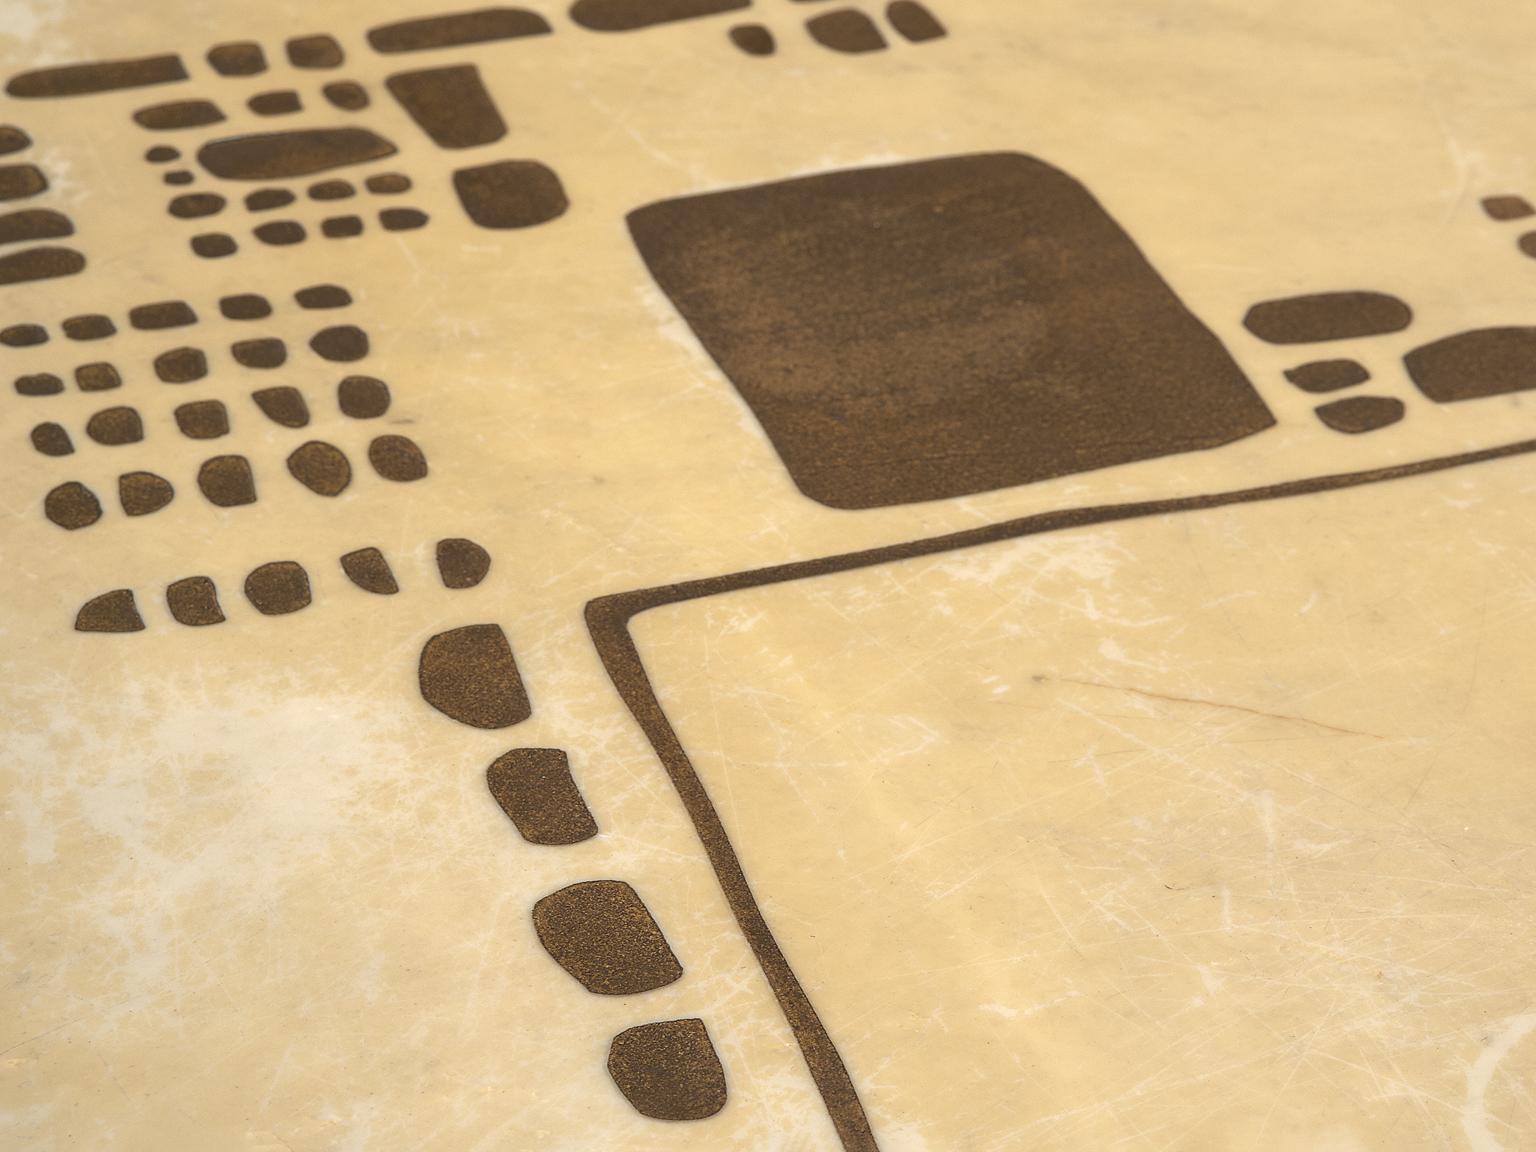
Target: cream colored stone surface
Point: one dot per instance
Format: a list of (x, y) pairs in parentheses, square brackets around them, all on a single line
[(1201, 832)]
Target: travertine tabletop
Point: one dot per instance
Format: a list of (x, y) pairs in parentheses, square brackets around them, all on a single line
[(767, 574)]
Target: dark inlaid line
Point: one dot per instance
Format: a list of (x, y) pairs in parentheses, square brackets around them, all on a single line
[(397, 458), (178, 114), (38, 384), (914, 21), (283, 102), (194, 601), (113, 611), (510, 194), (282, 405), (34, 224), (194, 205), (102, 76), (203, 419), (285, 155), (368, 569), (469, 675), (323, 296), (627, 15), (245, 306), (314, 52), (1327, 316), (267, 352), (52, 440), (115, 426), (141, 493), (347, 95), (362, 397), (322, 468), (72, 506), (13, 139), (1357, 414), (278, 588), (162, 314), (23, 335), (455, 28), (93, 326), (97, 376), (602, 933), (1527, 244), (534, 787), (669, 1070), (214, 245), (181, 365), (845, 30), (753, 39), (461, 563), (451, 105), (18, 181), (239, 58), (227, 481)]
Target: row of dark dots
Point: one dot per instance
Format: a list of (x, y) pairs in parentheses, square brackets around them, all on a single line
[(281, 233), (1354, 414), (193, 205), (247, 58), (1506, 209), (347, 95), (173, 314), (848, 30), (229, 482), (359, 397)]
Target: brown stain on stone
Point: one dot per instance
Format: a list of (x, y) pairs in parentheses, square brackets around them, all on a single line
[(469, 675), (323, 296), (1327, 316), (480, 26), (194, 601), (266, 352), (1327, 375), (451, 105), (245, 306), (370, 571), (181, 365), (34, 224), (178, 114), (72, 506), (98, 376), (238, 58), (89, 327), (1357, 414), (669, 1070), (113, 611), (628, 15), (227, 481), (510, 194), (286, 155), (203, 419), (141, 493), (278, 588), (319, 51), (115, 426), (23, 335), (914, 21), (535, 789), (162, 314), (1475, 364), (38, 384), (282, 405), (52, 440), (601, 932), (320, 467), (341, 344), (100, 76), (397, 458), (362, 397), (40, 264), (462, 563), (845, 30)]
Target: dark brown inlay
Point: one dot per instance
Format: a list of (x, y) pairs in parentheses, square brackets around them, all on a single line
[(113, 611), (753, 39), (362, 397), (314, 52), (178, 114), (341, 227), (1035, 342), (1357, 414), (40, 264), (323, 296), (23, 335), (266, 199), (278, 588), (34, 224), (668, 1070), (913, 21), (98, 376), (627, 15), (214, 245), (240, 58), (331, 190), (285, 155), (451, 105), (162, 154), (39, 384), (455, 28), (203, 419), (227, 481), (13, 139), (1471, 365), (388, 183), (1327, 375), (1327, 316), (469, 675), (72, 505), (397, 458), (178, 177), (165, 314), (141, 493), (368, 569), (347, 95), (196, 204), (115, 426), (181, 365), (1527, 244), (282, 405), (1507, 207), (845, 30), (320, 467), (283, 102), (280, 232), (401, 219), (344, 343), (246, 306), (462, 563), (535, 789), (510, 194), (51, 440), (102, 76), (92, 327), (267, 352), (194, 601), (602, 933)]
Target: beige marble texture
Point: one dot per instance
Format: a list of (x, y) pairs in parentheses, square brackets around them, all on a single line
[(1205, 831)]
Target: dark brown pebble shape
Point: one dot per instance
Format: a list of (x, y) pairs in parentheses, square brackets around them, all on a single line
[(314, 52), (13, 139), (34, 224), (162, 154), (18, 181), (203, 419), (347, 95), (1527, 244), (510, 194), (462, 563), (1507, 207), (265, 199), (52, 440), (281, 103), (98, 376), (320, 467), (362, 397), (23, 335), (72, 505), (282, 405), (397, 458), (845, 30), (1475, 364), (1357, 414), (288, 155), (40, 264), (214, 245), (753, 39), (278, 588), (341, 227), (388, 183), (331, 190), (141, 493), (178, 114), (39, 384), (113, 611), (115, 426), (469, 675), (402, 219), (343, 343), (268, 352), (1327, 316), (89, 327), (913, 21), (179, 177), (194, 205), (668, 1070), (368, 569), (535, 789), (323, 296), (194, 601), (280, 232), (602, 933), (227, 481), (97, 76), (246, 306), (1327, 375), (239, 58), (181, 365), (164, 314)]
